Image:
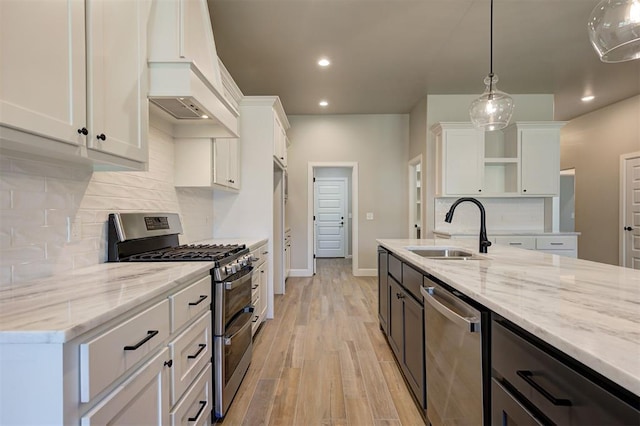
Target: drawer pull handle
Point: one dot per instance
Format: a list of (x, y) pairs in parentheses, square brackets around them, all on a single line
[(254, 287), (557, 244), (150, 335), (202, 405), (515, 244), (527, 376), (202, 346), (255, 318), (202, 299), (400, 295)]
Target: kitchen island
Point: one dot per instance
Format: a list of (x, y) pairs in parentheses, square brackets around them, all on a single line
[(586, 310)]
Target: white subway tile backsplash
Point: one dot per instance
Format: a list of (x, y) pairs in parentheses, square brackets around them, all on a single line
[(40, 200)]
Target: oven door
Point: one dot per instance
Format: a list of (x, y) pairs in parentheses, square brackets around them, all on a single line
[(232, 356), (230, 298)]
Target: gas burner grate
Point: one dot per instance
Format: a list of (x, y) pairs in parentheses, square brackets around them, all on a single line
[(193, 252)]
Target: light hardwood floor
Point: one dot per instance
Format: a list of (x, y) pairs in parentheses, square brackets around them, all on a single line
[(323, 359)]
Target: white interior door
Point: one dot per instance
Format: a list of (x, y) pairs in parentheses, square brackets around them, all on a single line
[(631, 222), (415, 197), (330, 213)]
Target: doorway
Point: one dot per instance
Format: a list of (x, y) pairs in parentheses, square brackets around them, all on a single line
[(333, 170), (415, 197), (630, 210), (331, 214), (567, 200)]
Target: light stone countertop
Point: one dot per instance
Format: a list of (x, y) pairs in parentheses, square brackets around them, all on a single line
[(62, 307), (588, 310), (454, 234)]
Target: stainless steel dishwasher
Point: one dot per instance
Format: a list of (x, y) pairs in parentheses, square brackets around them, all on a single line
[(453, 358)]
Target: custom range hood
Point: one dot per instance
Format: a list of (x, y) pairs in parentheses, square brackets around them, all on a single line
[(187, 82)]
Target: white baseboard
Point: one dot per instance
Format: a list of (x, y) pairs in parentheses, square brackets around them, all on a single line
[(360, 272), (301, 273)]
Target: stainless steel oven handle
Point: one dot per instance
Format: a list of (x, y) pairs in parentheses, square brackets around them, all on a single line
[(472, 324), (230, 285), (227, 340)]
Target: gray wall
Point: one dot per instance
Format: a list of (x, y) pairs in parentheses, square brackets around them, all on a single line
[(567, 203), (379, 144), (592, 144)]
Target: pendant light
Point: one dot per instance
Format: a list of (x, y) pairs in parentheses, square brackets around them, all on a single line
[(614, 30), (493, 109)]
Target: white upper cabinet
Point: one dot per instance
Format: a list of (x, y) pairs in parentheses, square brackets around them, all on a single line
[(42, 83), (523, 160), (209, 163), (459, 159), (117, 78), (72, 71), (539, 157), (279, 142)]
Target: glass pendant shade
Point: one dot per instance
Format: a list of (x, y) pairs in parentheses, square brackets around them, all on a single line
[(614, 30), (493, 109)]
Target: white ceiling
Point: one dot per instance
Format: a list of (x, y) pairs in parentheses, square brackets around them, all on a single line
[(388, 54)]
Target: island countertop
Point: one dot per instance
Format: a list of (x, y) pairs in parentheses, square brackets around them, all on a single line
[(588, 310)]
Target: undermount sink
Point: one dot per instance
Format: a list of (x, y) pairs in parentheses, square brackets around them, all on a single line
[(445, 253)]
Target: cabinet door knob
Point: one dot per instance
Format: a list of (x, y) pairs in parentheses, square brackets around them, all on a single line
[(101, 136), (628, 228), (83, 131), (524, 190), (479, 190), (169, 363)]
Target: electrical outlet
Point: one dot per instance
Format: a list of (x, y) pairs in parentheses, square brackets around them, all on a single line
[(369, 216), (74, 229)]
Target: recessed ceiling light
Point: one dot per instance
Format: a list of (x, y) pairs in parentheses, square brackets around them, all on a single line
[(324, 62), (588, 98), (323, 103), (204, 116)]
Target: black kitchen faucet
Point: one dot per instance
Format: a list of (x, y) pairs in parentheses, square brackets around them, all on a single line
[(484, 242)]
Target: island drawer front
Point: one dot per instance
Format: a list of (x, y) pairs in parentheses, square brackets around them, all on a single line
[(190, 352), (412, 281), (104, 358), (533, 372), (528, 243), (395, 268), (190, 302), (556, 243)]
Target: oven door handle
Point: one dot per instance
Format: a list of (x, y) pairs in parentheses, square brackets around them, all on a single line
[(228, 340), (230, 285)]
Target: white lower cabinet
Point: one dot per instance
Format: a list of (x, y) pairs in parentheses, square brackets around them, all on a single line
[(563, 245), (259, 285), (143, 399), (135, 369), (195, 408)]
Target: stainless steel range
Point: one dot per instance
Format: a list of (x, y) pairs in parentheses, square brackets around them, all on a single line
[(153, 237)]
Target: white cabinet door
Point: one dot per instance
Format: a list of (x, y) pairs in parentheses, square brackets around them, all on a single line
[(221, 162), (540, 161), (279, 143), (117, 77), (42, 82), (461, 167), (226, 163), (264, 290), (143, 399)]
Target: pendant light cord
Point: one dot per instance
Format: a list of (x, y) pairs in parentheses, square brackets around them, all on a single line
[(491, 51)]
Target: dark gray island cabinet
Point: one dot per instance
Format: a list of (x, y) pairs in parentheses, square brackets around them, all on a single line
[(530, 382)]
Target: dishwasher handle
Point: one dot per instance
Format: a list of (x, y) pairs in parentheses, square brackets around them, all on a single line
[(471, 323)]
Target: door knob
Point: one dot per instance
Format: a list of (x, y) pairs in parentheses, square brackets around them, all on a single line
[(628, 228), (341, 223)]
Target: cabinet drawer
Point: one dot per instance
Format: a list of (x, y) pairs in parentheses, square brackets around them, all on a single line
[(558, 391), (556, 243), (528, 243), (395, 268), (190, 352), (412, 281), (141, 400), (190, 302), (107, 356), (260, 255), (196, 406)]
